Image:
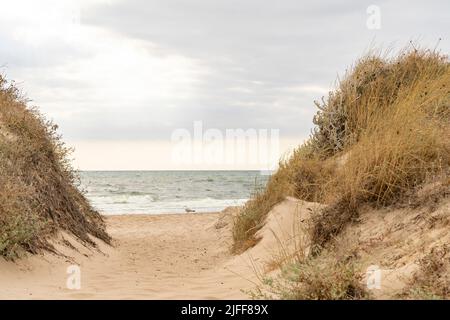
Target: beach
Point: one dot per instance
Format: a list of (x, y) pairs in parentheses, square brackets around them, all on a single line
[(188, 256), (164, 256), (176, 256)]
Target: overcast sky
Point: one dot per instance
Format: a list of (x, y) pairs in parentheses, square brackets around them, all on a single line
[(120, 76)]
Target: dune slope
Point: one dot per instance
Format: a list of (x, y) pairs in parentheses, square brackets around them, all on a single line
[(38, 188)]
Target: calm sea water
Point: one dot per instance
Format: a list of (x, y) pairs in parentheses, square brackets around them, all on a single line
[(128, 192)]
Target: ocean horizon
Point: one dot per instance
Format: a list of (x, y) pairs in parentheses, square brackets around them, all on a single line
[(168, 191)]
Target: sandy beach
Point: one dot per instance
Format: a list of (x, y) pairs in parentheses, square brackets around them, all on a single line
[(177, 256), (168, 256)]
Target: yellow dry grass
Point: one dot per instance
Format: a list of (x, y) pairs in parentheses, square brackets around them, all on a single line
[(382, 132)]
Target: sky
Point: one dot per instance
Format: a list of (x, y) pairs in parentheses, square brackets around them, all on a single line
[(122, 77)]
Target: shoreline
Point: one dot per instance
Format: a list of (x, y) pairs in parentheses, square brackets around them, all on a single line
[(158, 214)]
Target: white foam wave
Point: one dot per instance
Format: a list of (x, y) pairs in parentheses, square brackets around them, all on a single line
[(139, 204)]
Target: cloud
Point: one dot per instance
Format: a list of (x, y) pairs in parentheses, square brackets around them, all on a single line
[(139, 69), (93, 81), (267, 60)]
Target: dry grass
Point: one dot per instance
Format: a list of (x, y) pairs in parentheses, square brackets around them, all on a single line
[(374, 86), (299, 176), (432, 280), (252, 217), (381, 133), (38, 188), (325, 277)]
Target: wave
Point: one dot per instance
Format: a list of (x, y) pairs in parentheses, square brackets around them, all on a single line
[(167, 192), (134, 204)]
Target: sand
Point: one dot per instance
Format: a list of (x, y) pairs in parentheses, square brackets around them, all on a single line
[(182, 256), (187, 256), (176, 256)]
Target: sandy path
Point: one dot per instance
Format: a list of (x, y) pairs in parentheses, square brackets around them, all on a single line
[(153, 257)]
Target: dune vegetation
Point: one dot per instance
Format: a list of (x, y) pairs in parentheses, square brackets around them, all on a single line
[(381, 134), (38, 187)]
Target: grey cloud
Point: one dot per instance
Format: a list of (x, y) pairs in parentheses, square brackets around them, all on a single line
[(254, 49), (280, 44)]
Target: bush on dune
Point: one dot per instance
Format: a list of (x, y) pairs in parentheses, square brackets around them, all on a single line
[(378, 137), (384, 130), (38, 193), (402, 146)]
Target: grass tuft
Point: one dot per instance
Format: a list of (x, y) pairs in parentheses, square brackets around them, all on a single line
[(324, 277), (432, 280)]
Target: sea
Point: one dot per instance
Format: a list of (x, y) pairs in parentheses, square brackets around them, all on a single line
[(158, 192)]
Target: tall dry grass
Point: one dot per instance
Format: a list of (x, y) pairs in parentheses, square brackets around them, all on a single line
[(38, 187), (383, 131)]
